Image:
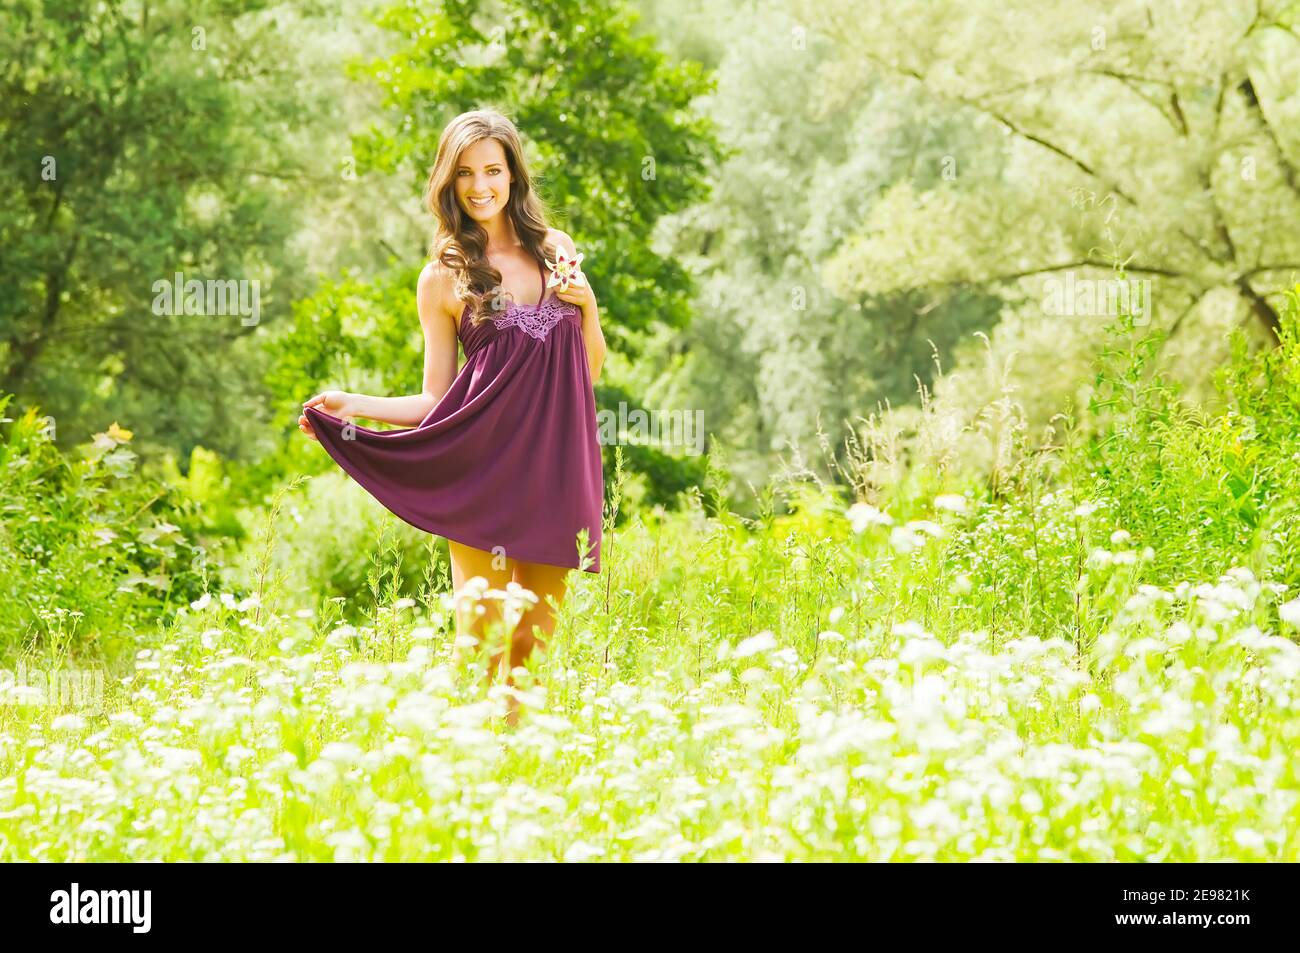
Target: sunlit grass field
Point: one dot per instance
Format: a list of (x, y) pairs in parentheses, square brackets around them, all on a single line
[(832, 685), (1093, 659)]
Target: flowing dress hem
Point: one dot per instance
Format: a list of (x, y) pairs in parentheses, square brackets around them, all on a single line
[(420, 523)]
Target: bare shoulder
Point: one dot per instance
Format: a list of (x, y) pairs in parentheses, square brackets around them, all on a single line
[(435, 292), (558, 238)]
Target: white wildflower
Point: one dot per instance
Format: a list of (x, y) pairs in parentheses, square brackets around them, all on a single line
[(341, 752), (1249, 839), (926, 526), (1290, 612), (1182, 777), (862, 515), (762, 642), (579, 852), (951, 502), (68, 723)]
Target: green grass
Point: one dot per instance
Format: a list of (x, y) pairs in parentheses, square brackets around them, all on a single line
[(794, 692), (1045, 671)]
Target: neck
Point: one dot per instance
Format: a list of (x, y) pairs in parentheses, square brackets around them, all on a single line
[(501, 234)]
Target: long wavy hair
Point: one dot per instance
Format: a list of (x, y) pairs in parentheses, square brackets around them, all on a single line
[(460, 243)]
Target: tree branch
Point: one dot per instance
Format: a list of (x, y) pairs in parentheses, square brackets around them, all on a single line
[(1252, 103), (1263, 310), (1262, 268), (1084, 263), (1010, 125)]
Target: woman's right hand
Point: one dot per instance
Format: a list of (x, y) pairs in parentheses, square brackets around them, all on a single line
[(336, 402)]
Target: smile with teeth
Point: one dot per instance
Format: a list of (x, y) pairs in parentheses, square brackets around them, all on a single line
[(481, 202)]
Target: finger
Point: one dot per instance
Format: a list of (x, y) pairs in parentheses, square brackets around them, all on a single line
[(314, 401)]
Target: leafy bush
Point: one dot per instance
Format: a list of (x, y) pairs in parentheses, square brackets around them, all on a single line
[(324, 541), (91, 547), (1216, 489)]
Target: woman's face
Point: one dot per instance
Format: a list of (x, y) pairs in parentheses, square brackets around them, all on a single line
[(483, 174)]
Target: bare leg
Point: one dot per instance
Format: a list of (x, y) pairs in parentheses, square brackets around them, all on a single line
[(537, 624), (466, 563)]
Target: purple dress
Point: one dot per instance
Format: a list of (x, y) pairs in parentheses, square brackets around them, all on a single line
[(509, 459)]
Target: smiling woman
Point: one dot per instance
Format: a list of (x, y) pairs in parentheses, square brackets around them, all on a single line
[(504, 458)]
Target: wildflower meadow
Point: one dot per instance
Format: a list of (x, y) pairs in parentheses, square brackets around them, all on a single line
[(941, 674), (931, 369)]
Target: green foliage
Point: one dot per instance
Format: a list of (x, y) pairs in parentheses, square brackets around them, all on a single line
[(606, 116), (1261, 437), (795, 688), (324, 544), (92, 549), (1081, 647), (351, 333), (665, 475), (733, 688), (1060, 138), (1215, 488), (776, 354), (361, 333), (139, 141)]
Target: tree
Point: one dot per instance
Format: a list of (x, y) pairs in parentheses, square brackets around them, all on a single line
[(773, 353), (1172, 127), (146, 139), (608, 118), (614, 145)]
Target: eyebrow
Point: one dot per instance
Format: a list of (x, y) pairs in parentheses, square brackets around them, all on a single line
[(489, 165)]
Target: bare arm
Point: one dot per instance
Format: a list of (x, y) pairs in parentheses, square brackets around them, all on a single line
[(585, 297), (594, 338), (431, 295)]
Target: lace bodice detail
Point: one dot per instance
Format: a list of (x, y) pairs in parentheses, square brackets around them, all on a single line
[(535, 321)]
